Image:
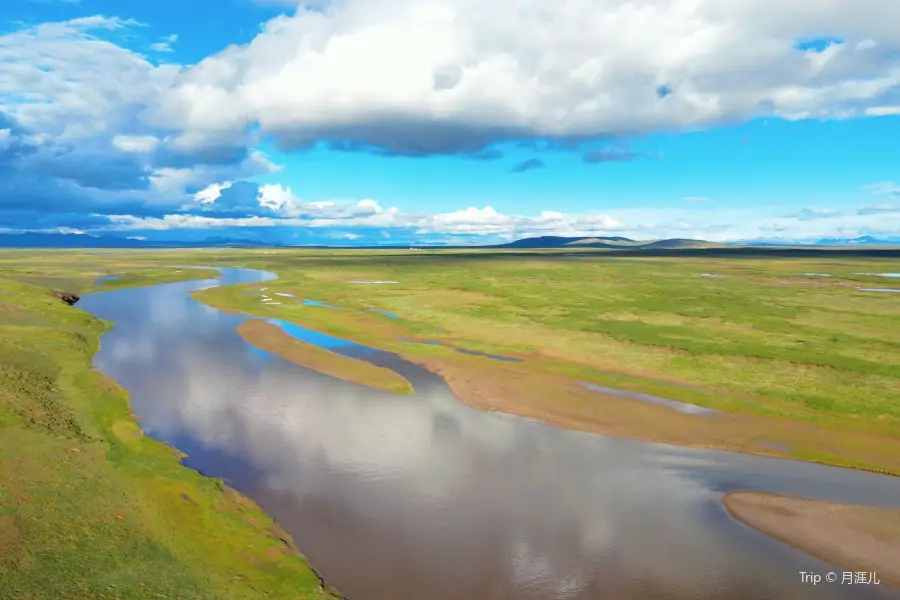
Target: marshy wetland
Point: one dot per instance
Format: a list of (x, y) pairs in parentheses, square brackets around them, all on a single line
[(404, 469)]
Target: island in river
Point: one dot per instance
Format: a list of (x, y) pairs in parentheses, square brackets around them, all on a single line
[(271, 338)]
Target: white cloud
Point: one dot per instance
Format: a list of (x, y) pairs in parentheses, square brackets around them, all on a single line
[(884, 187), (445, 75), (483, 224), (276, 197), (135, 143), (541, 68), (165, 45), (63, 80), (211, 193), (174, 181)]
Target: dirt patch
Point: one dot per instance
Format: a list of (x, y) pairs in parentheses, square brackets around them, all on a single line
[(67, 297), (554, 398), (271, 338), (10, 535), (858, 538)]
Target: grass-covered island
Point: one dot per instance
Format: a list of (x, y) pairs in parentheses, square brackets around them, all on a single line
[(91, 508)]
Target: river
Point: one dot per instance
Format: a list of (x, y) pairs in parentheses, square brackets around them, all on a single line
[(423, 498)]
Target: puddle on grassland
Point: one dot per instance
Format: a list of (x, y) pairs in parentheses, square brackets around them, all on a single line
[(309, 302), (382, 312), (464, 350), (683, 407)]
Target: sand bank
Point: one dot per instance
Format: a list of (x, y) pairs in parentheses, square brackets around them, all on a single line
[(856, 538), (271, 338)]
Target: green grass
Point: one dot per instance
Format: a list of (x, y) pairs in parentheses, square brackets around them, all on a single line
[(87, 503), (812, 351), (817, 352), (91, 508)]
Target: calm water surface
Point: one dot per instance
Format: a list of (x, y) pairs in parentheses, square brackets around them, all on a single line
[(422, 498)]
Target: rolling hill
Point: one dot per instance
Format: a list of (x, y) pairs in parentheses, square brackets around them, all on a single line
[(612, 243)]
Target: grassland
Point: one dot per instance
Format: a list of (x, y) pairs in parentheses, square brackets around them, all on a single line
[(800, 366), (89, 507)]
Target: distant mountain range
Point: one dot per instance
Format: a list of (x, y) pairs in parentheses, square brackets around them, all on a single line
[(614, 243), (70, 240), (84, 240)]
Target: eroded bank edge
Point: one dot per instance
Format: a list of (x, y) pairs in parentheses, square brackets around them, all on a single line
[(326, 588)]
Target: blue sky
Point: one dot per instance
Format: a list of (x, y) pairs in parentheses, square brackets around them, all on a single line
[(400, 121)]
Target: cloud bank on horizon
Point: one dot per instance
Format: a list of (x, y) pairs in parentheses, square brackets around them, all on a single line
[(103, 130)]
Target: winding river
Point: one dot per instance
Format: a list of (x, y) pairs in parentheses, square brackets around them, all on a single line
[(423, 498)]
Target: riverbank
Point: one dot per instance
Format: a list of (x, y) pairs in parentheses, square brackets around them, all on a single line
[(92, 508), (856, 538), (271, 338), (770, 396)]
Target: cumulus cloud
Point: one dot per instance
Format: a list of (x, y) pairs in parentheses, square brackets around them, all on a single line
[(427, 76), (76, 135), (245, 204), (276, 210), (90, 128)]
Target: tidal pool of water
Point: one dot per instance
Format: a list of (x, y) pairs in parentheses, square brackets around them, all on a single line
[(419, 497)]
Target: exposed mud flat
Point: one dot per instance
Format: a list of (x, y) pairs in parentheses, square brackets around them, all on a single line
[(858, 538)]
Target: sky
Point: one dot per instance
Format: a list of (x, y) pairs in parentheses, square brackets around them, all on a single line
[(450, 121)]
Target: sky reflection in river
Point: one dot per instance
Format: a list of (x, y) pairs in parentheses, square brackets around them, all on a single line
[(410, 497)]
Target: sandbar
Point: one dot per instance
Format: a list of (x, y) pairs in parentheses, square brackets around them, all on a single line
[(856, 538), (271, 338)]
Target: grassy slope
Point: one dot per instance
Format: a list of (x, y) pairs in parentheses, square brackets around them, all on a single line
[(808, 351), (90, 508)]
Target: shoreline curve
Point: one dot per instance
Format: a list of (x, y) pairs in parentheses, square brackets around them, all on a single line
[(854, 537)]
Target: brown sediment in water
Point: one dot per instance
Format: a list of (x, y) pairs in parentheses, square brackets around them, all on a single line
[(856, 538), (553, 398), (271, 338)]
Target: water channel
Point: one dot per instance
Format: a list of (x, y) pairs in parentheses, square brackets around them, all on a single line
[(422, 498)]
